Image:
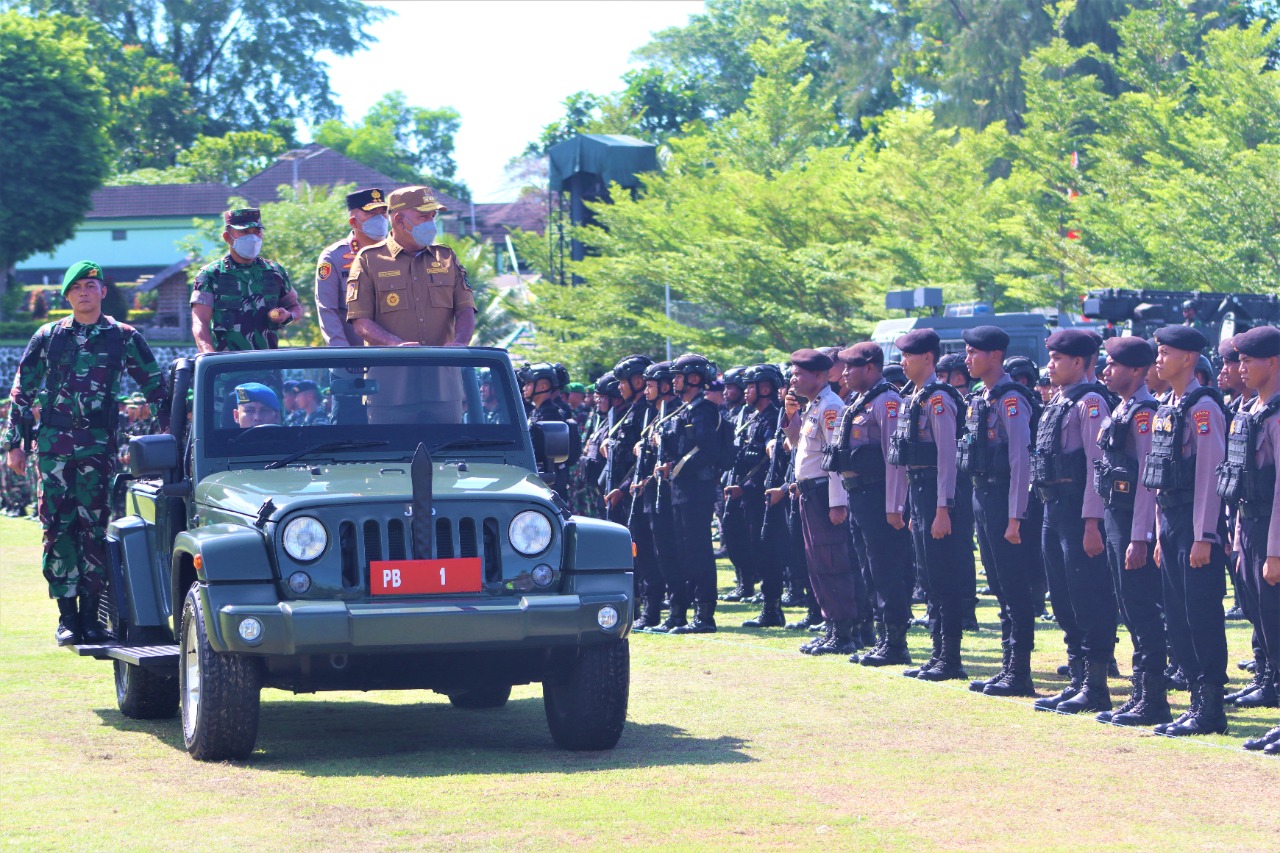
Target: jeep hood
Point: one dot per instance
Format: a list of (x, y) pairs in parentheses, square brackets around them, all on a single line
[(244, 491)]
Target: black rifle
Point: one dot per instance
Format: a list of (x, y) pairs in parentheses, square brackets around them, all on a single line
[(27, 429), (638, 497), (771, 476)]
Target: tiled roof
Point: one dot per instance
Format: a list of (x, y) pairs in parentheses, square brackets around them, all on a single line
[(527, 214), (320, 166), (159, 200)]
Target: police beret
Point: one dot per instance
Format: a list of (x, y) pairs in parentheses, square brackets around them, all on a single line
[(1078, 343), (307, 385), (1262, 342), (242, 218), (256, 392), (986, 338), (862, 353), (75, 272), (370, 199), (918, 341), (1130, 351), (811, 359), (1185, 338), (1227, 350)]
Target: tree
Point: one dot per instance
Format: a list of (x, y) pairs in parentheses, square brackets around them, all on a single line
[(246, 63), (54, 105), (412, 144), (230, 159)]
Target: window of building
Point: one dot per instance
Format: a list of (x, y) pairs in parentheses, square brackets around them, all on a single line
[(119, 234)]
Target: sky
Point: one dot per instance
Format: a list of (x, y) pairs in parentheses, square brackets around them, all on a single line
[(505, 65)]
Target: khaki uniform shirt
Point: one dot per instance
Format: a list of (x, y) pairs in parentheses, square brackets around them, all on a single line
[(412, 296)]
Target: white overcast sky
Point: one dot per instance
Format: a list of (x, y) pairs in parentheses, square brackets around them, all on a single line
[(505, 65)]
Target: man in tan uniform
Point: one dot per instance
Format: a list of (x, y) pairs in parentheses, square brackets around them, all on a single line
[(406, 291)]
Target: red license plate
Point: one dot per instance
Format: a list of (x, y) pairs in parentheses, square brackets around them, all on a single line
[(425, 577)]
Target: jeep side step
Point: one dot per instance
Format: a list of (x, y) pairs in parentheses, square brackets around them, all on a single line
[(148, 656)]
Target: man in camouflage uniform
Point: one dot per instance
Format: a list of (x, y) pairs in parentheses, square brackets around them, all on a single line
[(71, 368), (310, 407), (240, 301)]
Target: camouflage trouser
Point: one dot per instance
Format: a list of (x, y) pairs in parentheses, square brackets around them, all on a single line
[(584, 497), (73, 510)]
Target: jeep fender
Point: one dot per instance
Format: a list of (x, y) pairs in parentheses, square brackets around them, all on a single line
[(592, 545), (228, 556)]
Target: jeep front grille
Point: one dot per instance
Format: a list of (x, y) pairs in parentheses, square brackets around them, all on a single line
[(392, 540)]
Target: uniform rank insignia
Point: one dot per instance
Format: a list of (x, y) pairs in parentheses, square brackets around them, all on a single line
[(1011, 407), (829, 417), (936, 402), (324, 270), (1202, 422), (393, 299), (891, 408), (1142, 421), (1094, 410)]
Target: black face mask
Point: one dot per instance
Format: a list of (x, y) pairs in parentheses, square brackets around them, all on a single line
[(835, 386)]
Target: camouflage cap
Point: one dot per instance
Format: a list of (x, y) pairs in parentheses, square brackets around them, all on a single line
[(417, 198), (242, 218), (79, 270)]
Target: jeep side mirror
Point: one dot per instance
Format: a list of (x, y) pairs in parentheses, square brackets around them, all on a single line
[(550, 441), (153, 455)]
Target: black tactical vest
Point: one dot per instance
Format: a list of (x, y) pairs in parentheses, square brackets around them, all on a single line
[(1049, 465), (976, 454), (865, 462), (1240, 480), (905, 445), (1117, 473), (1167, 471)]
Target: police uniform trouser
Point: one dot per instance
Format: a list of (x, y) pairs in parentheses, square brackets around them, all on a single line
[(648, 566), (756, 558), (1089, 588), (1266, 598), (694, 556), (1193, 600), (883, 552), (797, 559), (1138, 594), (939, 559), (736, 539), (826, 548), (1010, 567), (964, 523), (1055, 570)]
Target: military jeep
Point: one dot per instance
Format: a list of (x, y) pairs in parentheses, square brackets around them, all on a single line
[(409, 544)]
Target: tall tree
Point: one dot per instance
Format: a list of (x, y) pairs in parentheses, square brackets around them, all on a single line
[(54, 104)]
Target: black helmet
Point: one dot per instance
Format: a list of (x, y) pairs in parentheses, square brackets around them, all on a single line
[(659, 371), (736, 376), (1042, 381), (1204, 366), (562, 375), (632, 365), (692, 364), (531, 373), (607, 384), (1020, 365), (894, 374), (952, 361), (763, 373), (1188, 305)]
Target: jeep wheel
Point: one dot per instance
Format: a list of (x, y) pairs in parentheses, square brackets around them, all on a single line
[(479, 698), (587, 707), (220, 692), (144, 694)]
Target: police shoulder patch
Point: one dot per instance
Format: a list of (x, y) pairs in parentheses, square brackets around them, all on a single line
[(324, 270), (891, 408), (938, 405), (1142, 421), (1201, 419), (1094, 409), (829, 418), (1011, 406)]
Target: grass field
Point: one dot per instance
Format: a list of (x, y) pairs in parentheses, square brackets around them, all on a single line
[(734, 740)]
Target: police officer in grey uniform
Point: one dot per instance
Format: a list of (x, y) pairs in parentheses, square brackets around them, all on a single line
[(1188, 444)]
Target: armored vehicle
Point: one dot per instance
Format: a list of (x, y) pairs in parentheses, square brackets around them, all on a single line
[(409, 545)]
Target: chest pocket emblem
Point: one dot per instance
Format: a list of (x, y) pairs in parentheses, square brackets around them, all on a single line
[(393, 299)]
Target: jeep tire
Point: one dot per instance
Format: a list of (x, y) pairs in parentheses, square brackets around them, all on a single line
[(144, 694), (587, 705), (479, 698), (220, 692)]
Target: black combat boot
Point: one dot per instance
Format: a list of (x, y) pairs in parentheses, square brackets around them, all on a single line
[(934, 657), (1163, 728), (739, 592), (948, 667), (791, 598), (770, 616), (1210, 718), (1094, 696), (1177, 678), (704, 620), (90, 629), (1006, 653), (647, 619), (1152, 708), (870, 634), (68, 632), (1017, 680), (822, 639), (1259, 744), (1076, 668), (1135, 696), (1263, 695), (893, 651), (808, 620), (677, 617), (843, 640)]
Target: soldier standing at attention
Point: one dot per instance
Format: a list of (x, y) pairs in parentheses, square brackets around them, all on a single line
[(652, 525), (824, 505), (1189, 441), (367, 215), (924, 444), (71, 369), (1064, 473), (995, 453), (1125, 439), (744, 496), (240, 301)]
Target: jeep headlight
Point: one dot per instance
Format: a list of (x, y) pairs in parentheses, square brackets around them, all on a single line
[(530, 533), (304, 539)]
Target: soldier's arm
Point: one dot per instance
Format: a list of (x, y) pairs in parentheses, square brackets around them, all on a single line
[(329, 290), (26, 384), (895, 476), (1017, 425), (1211, 450), (1144, 499), (829, 423), (202, 312), (1089, 411), (944, 435)]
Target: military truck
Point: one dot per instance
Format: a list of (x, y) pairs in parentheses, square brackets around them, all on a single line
[(411, 545), (1218, 315)]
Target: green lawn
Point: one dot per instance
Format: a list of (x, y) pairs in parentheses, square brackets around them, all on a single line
[(734, 741)]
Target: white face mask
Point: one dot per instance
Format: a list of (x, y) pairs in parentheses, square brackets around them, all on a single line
[(376, 227), (247, 246)]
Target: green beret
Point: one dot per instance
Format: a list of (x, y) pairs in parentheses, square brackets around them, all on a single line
[(77, 271), (575, 387)]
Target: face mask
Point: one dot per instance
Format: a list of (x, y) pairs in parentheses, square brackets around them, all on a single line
[(424, 233), (376, 228), (247, 246)]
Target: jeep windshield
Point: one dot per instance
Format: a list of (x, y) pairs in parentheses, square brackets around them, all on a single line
[(356, 401)]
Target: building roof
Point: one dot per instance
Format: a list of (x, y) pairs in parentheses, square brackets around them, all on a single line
[(528, 214), (159, 200), (322, 167)]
